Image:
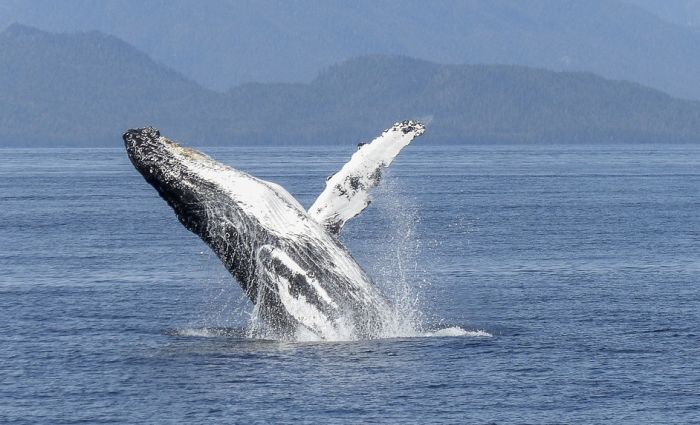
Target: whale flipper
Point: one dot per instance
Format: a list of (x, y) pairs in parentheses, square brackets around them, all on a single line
[(347, 191)]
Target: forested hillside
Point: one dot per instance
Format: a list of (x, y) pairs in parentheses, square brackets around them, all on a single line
[(85, 89)]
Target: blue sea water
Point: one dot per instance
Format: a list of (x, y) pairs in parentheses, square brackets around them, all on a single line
[(580, 264)]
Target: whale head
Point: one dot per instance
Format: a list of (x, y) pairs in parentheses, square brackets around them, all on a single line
[(164, 164), (158, 159)]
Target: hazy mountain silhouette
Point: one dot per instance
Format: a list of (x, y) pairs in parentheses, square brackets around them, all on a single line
[(220, 43), (85, 89), (74, 88), (685, 13)]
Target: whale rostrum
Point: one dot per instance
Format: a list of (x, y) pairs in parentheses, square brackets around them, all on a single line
[(289, 262)]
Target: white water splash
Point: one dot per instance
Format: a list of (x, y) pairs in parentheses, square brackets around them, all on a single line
[(456, 331), (396, 270), (305, 335)]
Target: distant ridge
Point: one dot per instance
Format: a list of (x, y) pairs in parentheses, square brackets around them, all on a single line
[(222, 43), (85, 89)]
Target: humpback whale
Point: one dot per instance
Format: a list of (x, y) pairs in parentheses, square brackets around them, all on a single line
[(288, 261)]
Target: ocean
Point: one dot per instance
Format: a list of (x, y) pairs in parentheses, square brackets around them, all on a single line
[(551, 284)]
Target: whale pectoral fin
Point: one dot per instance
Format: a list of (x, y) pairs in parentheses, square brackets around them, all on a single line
[(347, 192)]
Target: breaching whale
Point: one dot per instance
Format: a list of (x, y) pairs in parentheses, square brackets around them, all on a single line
[(288, 261)]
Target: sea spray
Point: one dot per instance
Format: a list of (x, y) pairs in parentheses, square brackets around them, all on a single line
[(392, 255), (397, 270)]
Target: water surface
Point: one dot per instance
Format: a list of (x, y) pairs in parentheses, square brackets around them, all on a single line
[(582, 263)]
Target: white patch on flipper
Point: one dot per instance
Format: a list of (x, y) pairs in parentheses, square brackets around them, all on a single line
[(293, 267), (347, 191), (303, 311), (298, 306)]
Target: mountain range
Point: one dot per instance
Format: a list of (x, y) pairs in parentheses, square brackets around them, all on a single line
[(85, 89), (223, 43)]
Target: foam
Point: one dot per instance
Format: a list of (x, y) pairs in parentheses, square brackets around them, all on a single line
[(305, 335), (457, 331)]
